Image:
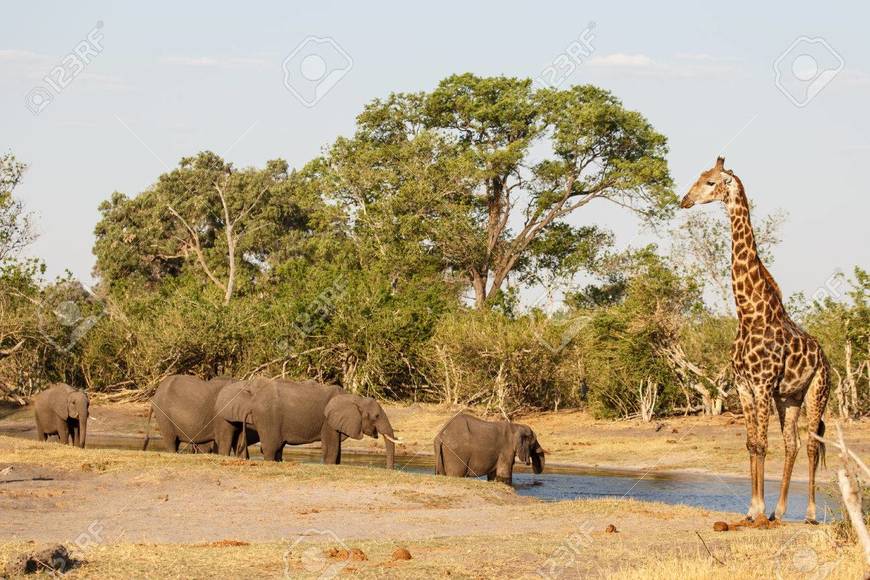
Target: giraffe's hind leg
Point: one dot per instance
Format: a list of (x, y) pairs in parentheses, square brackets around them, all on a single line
[(816, 401), (788, 411)]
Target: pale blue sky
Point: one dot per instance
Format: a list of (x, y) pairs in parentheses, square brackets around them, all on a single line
[(176, 78)]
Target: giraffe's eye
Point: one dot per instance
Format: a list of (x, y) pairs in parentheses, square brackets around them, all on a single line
[(711, 183)]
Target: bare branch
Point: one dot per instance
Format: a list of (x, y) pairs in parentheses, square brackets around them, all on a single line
[(197, 249)]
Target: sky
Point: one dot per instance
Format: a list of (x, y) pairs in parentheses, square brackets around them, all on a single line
[(100, 97)]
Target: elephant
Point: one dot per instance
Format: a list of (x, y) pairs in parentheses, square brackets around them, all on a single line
[(63, 410), (184, 407), (234, 430), (470, 447), (296, 413)]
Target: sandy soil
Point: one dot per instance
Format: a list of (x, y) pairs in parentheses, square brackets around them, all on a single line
[(156, 515)]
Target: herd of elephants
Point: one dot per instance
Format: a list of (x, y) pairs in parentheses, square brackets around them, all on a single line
[(225, 416), (773, 361)]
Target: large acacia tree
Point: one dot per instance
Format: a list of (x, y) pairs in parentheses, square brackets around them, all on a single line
[(489, 169)]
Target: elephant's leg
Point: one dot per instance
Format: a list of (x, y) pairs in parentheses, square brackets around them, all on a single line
[(40, 432), (224, 437), (490, 476), (504, 470), (76, 434), (167, 432), (330, 442), (63, 432)]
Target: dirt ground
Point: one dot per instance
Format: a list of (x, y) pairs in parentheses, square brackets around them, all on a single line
[(571, 438), (132, 514)]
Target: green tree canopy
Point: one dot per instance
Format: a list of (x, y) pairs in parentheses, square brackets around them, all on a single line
[(490, 169)]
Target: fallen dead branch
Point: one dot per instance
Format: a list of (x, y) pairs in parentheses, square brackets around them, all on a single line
[(847, 478)]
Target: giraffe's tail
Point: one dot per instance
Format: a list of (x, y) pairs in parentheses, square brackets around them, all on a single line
[(821, 454)]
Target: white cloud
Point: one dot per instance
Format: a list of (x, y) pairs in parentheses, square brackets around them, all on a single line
[(212, 62), (15, 55), (683, 65), (619, 60), (854, 77), (25, 66)]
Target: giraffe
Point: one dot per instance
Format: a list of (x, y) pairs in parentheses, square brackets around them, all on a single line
[(772, 357)]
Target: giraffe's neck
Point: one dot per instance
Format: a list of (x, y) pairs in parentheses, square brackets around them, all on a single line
[(752, 284)]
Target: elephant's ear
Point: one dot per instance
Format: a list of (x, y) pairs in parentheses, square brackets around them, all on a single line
[(522, 440), (343, 415), (60, 403)]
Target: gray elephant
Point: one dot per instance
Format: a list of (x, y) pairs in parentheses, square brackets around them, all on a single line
[(470, 447), (234, 429), (62, 410), (184, 408), (296, 413)]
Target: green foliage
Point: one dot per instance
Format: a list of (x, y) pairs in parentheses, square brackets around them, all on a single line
[(620, 346), (484, 357), (16, 227), (840, 316)]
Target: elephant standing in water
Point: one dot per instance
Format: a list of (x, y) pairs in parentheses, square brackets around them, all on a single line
[(294, 413), (184, 407), (470, 447), (62, 410)]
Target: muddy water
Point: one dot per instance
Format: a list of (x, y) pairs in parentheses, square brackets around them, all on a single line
[(557, 483)]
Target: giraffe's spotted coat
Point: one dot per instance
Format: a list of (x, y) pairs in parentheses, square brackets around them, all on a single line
[(772, 357)]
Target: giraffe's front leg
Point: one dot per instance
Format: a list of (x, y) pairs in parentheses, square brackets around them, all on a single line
[(762, 402), (747, 402)]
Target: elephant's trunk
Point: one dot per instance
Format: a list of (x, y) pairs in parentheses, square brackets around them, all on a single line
[(385, 429), (82, 431), (538, 459)]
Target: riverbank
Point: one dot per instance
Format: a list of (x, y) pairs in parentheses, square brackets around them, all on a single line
[(714, 445), (136, 514)]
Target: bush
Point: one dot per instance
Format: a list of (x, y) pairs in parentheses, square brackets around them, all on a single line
[(484, 357)]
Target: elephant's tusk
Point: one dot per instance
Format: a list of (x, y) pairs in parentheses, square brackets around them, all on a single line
[(392, 439)]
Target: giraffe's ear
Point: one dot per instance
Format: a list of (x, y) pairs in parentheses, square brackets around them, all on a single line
[(720, 163)]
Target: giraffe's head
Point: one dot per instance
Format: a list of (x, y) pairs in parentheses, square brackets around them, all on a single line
[(713, 185)]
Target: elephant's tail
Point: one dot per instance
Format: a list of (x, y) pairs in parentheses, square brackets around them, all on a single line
[(148, 429), (439, 456)]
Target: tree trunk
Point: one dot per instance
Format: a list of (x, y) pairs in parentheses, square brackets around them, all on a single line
[(478, 282)]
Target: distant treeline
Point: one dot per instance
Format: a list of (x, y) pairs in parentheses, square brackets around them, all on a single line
[(394, 263)]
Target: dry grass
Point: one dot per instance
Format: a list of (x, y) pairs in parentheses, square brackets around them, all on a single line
[(788, 554), (64, 457)]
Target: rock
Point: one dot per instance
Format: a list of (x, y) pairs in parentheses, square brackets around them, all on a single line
[(611, 529), (675, 430), (52, 558), (761, 522), (354, 554), (720, 527), (401, 554)]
